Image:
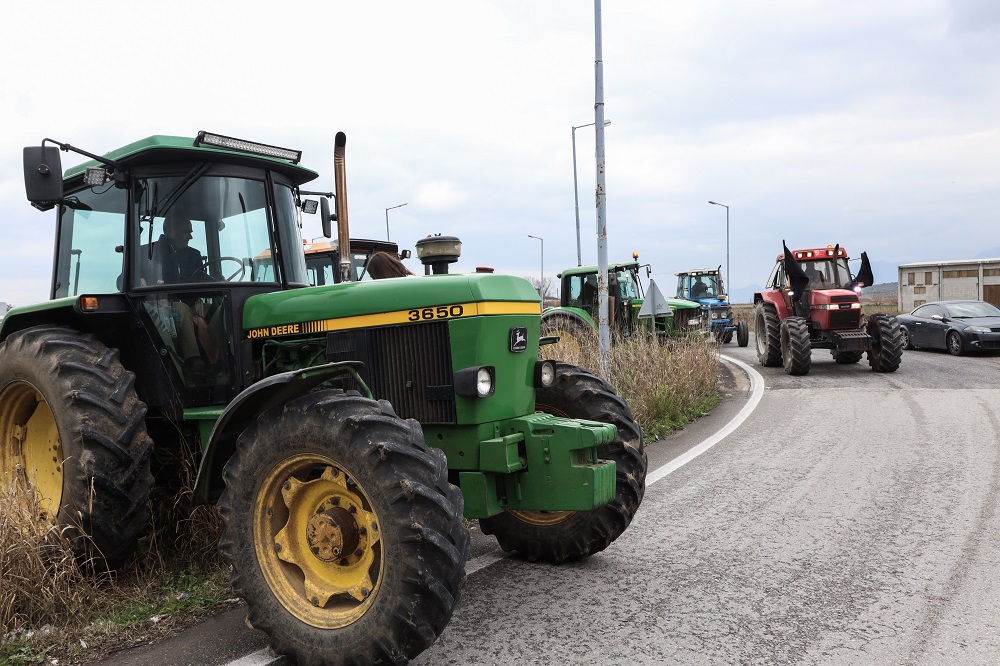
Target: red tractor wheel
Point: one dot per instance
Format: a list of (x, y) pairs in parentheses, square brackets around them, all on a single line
[(767, 331), (796, 350), (887, 343)]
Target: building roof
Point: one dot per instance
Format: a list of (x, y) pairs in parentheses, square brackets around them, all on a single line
[(950, 262)]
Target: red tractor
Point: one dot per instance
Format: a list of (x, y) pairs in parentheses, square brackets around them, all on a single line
[(812, 301)]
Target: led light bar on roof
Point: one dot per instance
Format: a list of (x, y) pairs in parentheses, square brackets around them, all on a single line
[(229, 143)]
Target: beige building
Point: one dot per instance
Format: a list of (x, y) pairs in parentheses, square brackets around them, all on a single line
[(971, 279)]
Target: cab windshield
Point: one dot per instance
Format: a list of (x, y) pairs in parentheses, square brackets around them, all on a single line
[(827, 273), (197, 229), (627, 285), (698, 286)]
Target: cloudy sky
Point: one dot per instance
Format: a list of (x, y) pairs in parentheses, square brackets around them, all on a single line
[(871, 124)]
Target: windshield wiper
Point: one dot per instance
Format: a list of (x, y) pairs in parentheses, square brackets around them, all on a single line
[(186, 182)]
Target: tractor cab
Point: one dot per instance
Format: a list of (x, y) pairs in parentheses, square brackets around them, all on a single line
[(704, 286), (179, 233), (323, 259)]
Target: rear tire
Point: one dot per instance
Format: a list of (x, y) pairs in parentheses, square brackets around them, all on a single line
[(345, 537), (73, 431), (767, 331), (742, 334), (560, 536), (796, 349), (887, 343)]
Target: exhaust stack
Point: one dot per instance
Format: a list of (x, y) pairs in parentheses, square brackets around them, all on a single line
[(340, 185)]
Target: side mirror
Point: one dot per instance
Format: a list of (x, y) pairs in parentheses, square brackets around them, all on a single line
[(937, 317), (326, 218), (405, 254), (43, 176)]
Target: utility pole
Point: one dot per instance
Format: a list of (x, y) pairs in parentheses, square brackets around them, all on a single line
[(603, 331)]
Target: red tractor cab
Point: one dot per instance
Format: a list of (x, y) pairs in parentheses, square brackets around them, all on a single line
[(813, 301)]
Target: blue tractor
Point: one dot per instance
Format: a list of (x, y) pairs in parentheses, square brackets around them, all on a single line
[(705, 287)]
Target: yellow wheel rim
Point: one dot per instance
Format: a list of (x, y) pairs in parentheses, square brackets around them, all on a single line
[(30, 451), (542, 518), (318, 541)]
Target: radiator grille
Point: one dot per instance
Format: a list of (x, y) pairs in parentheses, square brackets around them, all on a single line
[(843, 299), (845, 318), (409, 365)]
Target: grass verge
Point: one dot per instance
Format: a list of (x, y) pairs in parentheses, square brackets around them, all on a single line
[(667, 384)]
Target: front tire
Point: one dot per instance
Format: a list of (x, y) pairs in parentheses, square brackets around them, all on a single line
[(887, 343), (954, 342), (767, 331), (742, 334), (560, 536), (796, 349), (345, 537), (72, 430), (904, 336)]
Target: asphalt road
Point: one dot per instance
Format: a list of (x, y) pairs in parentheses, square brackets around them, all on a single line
[(849, 518)]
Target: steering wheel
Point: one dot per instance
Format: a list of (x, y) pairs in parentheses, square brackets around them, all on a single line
[(241, 271)]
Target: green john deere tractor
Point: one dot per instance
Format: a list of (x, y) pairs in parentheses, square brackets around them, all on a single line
[(344, 430), (574, 320)]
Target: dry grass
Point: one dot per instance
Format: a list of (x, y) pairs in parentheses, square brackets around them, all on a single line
[(666, 384), (51, 606), (40, 580)]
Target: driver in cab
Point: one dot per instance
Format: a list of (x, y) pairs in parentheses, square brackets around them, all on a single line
[(176, 262), (173, 256)]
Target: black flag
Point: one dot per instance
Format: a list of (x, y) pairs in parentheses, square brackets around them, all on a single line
[(796, 276), (865, 278)]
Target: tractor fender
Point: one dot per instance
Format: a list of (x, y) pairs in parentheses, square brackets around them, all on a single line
[(244, 410), (573, 313), (774, 298)]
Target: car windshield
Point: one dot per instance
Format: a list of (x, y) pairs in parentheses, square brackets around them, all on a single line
[(973, 309)]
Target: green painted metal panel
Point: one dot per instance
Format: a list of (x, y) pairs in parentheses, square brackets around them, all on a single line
[(409, 299)]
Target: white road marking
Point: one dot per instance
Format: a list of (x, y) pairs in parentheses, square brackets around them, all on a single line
[(756, 391), (258, 658), (263, 657)]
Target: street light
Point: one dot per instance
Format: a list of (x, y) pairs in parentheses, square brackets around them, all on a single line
[(541, 275), (576, 196), (387, 218), (728, 276)]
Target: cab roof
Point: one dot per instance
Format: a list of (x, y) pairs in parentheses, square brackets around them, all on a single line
[(160, 148), (587, 270)]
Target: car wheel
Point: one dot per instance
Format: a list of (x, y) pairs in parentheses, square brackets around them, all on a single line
[(905, 335), (954, 342)]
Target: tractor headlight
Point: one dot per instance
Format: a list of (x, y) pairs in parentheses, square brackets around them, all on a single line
[(545, 374), (476, 382)]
